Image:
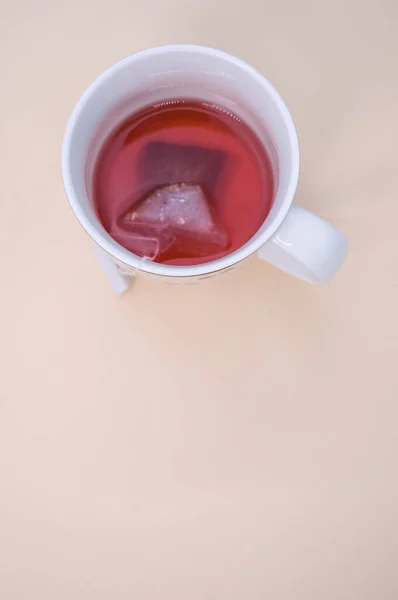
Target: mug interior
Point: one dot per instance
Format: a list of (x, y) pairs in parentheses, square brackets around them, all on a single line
[(159, 75)]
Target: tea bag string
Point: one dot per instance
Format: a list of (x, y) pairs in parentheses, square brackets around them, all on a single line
[(138, 267), (132, 271)]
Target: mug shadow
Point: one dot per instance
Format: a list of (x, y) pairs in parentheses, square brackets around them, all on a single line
[(233, 318), (227, 354)]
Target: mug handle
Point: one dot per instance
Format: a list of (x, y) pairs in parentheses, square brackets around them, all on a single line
[(306, 247)]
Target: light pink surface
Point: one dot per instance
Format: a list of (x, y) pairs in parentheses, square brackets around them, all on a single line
[(235, 439)]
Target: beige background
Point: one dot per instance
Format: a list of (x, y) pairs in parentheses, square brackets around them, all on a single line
[(234, 440)]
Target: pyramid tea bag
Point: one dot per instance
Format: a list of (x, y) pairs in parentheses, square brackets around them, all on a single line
[(175, 218)]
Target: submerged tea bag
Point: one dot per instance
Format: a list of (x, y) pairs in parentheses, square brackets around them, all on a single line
[(175, 217), (173, 221)]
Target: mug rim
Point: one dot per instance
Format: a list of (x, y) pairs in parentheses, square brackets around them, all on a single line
[(124, 256)]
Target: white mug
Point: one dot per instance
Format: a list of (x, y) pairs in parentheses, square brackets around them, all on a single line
[(290, 238)]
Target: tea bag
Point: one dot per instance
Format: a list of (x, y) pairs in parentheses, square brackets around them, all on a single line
[(173, 221), (174, 218)]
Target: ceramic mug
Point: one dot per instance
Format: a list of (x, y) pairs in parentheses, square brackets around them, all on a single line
[(290, 238)]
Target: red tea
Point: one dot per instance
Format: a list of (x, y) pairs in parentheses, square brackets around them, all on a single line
[(182, 182)]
